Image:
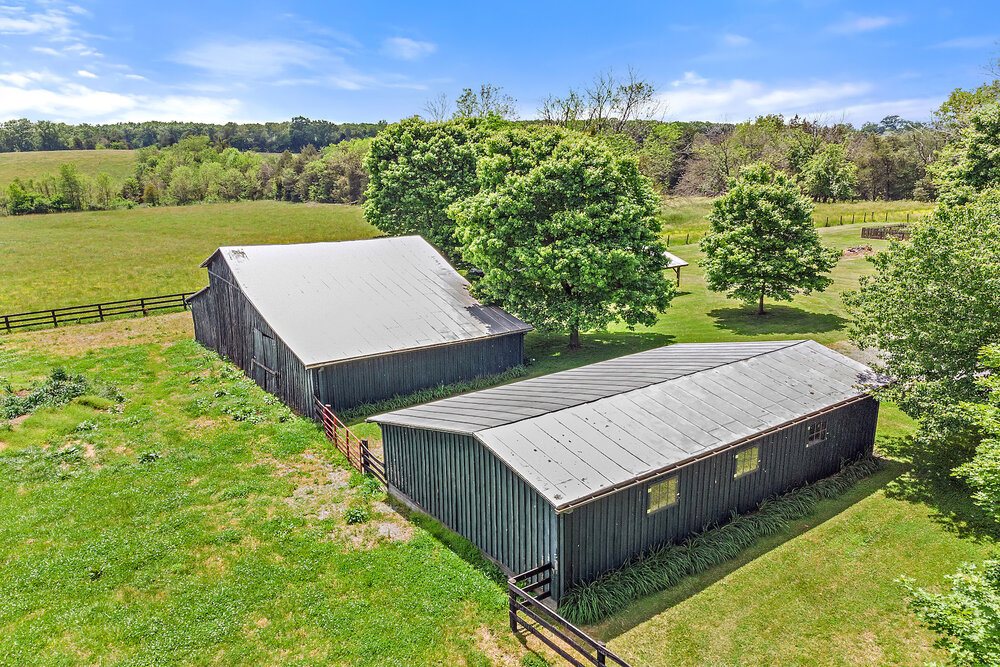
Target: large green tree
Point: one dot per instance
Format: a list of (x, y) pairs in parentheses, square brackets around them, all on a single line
[(416, 171), (565, 231), (762, 241), (829, 176), (971, 163)]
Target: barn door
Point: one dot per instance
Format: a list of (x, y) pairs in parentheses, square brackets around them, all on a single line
[(265, 361)]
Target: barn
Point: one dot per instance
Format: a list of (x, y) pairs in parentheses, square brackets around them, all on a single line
[(588, 468), (350, 323)]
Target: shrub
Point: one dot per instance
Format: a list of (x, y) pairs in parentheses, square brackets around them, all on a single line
[(356, 515), (666, 566)]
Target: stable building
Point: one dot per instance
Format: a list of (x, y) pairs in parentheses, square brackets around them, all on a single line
[(589, 468), (350, 323)]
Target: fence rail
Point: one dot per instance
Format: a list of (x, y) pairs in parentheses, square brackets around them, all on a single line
[(900, 231), (53, 317), (354, 448), (526, 592)]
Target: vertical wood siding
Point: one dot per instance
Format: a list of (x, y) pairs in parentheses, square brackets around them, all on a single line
[(464, 486), (605, 534), (350, 384), (225, 321)]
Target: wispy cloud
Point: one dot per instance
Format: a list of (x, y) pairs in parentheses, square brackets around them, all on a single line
[(251, 59), (857, 24), (76, 103), (404, 48), (732, 39), (972, 42), (690, 79), (19, 21), (85, 74), (47, 51)]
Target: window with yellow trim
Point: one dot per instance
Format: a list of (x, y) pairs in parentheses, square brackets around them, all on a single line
[(662, 494), (746, 461)]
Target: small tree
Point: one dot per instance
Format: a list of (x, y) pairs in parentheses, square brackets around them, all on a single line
[(565, 232), (829, 175), (762, 241)]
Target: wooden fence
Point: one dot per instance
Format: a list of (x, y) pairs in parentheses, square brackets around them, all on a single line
[(526, 592), (901, 232), (354, 448), (53, 317)]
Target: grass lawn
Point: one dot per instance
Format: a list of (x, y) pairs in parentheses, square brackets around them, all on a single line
[(119, 164), (198, 522), (67, 259)]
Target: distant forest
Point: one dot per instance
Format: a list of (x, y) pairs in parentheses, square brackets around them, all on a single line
[(291, 135)]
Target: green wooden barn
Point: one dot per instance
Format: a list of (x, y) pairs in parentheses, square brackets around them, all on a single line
[(589, 468), (352, 322)]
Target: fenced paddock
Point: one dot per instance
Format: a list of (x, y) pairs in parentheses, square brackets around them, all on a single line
[(93, 312)]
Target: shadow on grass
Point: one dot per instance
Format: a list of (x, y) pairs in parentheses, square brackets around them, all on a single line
[(777, 320), (646, 608), (549, 353), (927, 480)]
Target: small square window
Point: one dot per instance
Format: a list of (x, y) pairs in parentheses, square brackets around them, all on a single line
[(817, 433), (662, 494), (746, 461)]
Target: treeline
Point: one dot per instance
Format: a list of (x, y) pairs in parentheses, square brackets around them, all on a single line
[(294, 135), (196, 169)]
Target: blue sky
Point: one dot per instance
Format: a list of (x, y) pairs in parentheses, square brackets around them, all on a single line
[(249, 61)]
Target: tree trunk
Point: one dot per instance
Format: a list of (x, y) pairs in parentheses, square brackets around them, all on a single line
[(574, 339), (760, 309)]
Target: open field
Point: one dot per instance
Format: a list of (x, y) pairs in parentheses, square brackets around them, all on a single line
[(201, 524), (76, 258), (119, 164)]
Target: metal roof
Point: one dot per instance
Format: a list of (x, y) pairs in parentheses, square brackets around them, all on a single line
[(675, 262), (332, 302), (580, 433)]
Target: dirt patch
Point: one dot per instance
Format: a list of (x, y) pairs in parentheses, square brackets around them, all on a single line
[(17, 420), (857, 251), (79, 338)]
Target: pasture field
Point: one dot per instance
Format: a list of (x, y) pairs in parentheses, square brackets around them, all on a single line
[(68, 259), (197, 521), (33, 164)]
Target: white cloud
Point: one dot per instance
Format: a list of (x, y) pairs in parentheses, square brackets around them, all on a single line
[(863, 24), (695, 98), (404, 48), (24, 78), (253, 59), (731, 39), (979, 42), (85, 74), (19, 21), (76, 103), (136, 77), (46, 50)]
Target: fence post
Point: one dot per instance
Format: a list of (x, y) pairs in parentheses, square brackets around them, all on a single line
[(841, 218), (6, 321), (184, 301), (512, 609), (887, 216), (600, 654), (688, 239), (100, 311), (142, 304), (364, 456), (907, 218), (668, 240), (55, 322)]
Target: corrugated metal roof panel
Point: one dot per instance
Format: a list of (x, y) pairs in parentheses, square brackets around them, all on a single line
[(707, 396), (332, 302)]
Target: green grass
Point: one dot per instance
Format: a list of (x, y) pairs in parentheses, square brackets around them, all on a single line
[(34, 164), (67, 259), (166, 530)]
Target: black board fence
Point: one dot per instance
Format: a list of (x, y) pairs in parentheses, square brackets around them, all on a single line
[(53, 317), (526, 592)]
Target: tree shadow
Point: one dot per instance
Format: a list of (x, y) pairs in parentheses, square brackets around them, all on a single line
[(926, 479), (644, 609), (777, 320)]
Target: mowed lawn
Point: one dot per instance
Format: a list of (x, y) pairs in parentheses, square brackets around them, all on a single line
[(68, 259), (34, 164)]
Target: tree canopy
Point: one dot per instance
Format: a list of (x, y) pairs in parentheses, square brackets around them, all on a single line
[(565, 232), (762, 241), (829, 176)]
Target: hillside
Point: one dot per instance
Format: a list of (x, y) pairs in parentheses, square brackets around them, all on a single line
[(119, 164)]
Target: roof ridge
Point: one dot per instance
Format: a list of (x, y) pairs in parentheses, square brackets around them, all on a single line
[(791, 343)]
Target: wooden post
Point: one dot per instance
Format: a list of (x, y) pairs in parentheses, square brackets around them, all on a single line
[(841, 218), (6, 321), (601, 654), (100, 311), (142, 304), (678, 270), (668, 240), (907, 218), (865, 218), (688, 239), (887, 216), (364, 457), (852, 218), (512, 609), (55, 322)]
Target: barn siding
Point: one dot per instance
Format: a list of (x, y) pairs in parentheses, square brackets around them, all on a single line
[(605, 534), (353, 383), (226, 322), (463, 485)]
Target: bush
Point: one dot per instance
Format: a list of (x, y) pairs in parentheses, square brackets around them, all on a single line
[(666, 566), (58, 389)]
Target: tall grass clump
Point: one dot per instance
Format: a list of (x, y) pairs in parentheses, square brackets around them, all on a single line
[(57, 389), (664, 567), (431, 394)]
